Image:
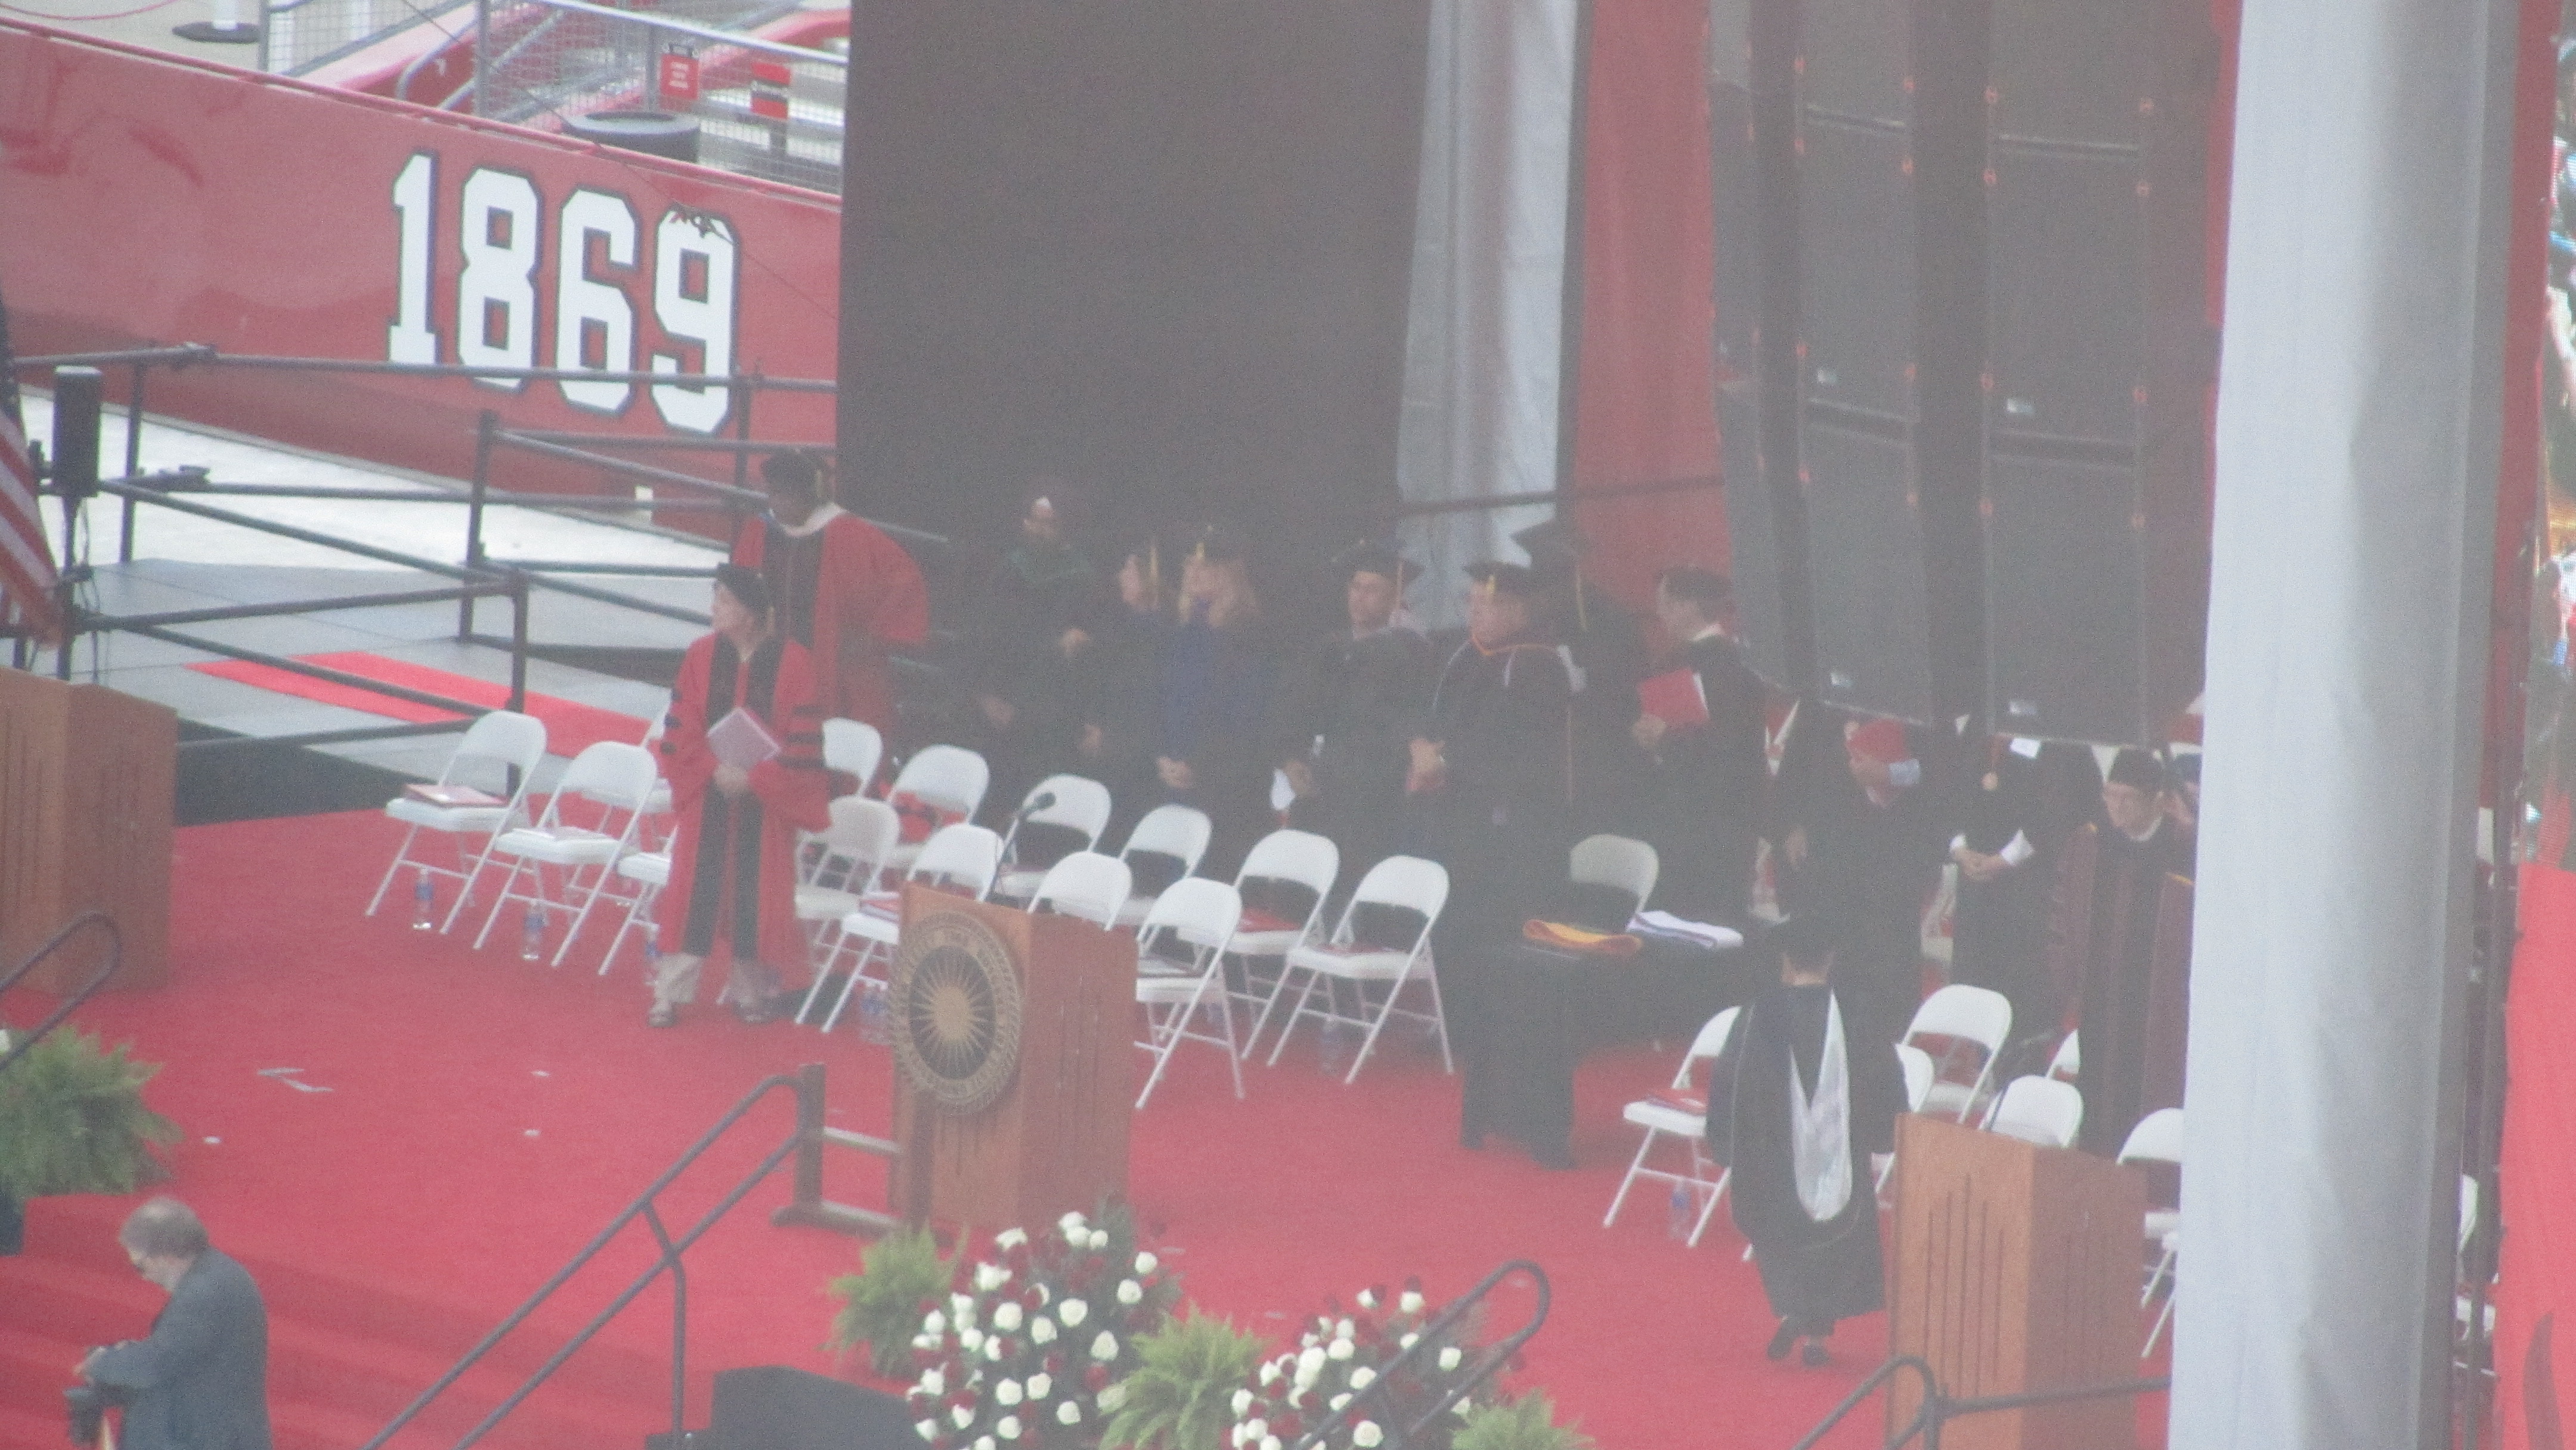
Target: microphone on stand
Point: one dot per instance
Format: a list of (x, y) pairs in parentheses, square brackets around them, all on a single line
[(1043, 800)]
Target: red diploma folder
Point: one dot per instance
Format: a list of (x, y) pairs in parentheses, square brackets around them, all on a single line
[(1675, 697)]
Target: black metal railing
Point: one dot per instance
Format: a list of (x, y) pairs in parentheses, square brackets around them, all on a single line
[(20, 1044), (1490, 1360), (806, 1084), (1939, 1408)]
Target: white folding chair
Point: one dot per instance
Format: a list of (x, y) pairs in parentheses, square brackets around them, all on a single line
[(960, 857), (1919, 1073), (1301, 859), (2157, 1139), (607, 786), (853, 853), (1197, 917), (2068, 1064), (1407, 883), (509, 743), (1680, 1112), (1178, 832), (854, 748), (2038, 1110), (1617, 862), (1974, 1016), (1085, 884), (948, 778), (2171, 1245), (1076, 803)]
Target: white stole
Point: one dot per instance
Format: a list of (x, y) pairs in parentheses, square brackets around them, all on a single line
[(1820, 1125)]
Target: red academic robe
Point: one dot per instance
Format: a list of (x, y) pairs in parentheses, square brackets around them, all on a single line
[(724, 841), (850, 595)]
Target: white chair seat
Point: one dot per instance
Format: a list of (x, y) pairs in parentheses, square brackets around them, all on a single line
[(824, 903), (1647, 1113), (875, 920), (1947, 1099), (1267, 943), (1367, 964), (567, 846), (464, 820), (1132, 915), (2162, 1222), (1017, 885), (653, 868), (658, 801)]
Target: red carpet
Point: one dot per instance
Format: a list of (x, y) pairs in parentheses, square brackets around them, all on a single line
[(487, 1116), (569, 725)]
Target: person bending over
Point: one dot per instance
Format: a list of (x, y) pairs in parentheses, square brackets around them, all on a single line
[(199, 1381)]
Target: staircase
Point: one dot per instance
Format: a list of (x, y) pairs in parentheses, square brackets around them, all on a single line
[(344, 1356)]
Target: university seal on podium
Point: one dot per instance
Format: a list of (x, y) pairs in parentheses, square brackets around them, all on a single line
[(954, 1001)]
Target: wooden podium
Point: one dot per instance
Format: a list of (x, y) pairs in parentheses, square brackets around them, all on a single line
[(1054, 1136), (87, 777), (2016, 1269)]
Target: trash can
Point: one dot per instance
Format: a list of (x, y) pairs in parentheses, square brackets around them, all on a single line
[(655, 133)]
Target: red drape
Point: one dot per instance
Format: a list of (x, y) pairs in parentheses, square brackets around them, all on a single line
[(1646, 409)]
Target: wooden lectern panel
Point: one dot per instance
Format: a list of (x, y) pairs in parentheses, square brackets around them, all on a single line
[(1056, 1139), (2016, 1269), (87, 780)]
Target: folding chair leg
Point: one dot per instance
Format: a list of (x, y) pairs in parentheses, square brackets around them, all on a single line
[(1360, 1059), (858, 974), (1290, 1030), (402, 858), (638, 913), (2158, 1331), (579, 917), (1439, 1016), (509, 884), (1636, 1166), (1225, 1009), (1708, 1210)]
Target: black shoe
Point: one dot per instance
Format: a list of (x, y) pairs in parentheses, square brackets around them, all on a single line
[(1815, 1355), (663, 1016), (1557, 1157), (1781, 1338)]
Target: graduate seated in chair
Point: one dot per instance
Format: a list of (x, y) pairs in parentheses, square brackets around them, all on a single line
[(1796, 1104)]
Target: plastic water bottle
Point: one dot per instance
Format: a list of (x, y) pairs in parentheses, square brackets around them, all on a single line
[(423, 897), (652, 961), (532, 933), (1681, 1218), (875, 1015)]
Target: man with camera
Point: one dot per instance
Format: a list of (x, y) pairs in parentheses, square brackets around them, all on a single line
[(200, 1380)]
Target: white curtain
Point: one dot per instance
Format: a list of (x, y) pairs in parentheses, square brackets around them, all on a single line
[(2355, 510), (1484, 339)]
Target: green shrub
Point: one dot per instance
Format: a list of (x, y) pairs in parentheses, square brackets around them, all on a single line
[(72, 1120), (881, 1305), (1181, 1395), (1527, 1423)]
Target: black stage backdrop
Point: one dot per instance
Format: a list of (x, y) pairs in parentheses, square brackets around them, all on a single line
[(1159, 248)]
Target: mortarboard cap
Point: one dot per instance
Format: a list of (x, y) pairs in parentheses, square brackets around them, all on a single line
[(2138, 770), (1516, 579), (747, 585), (1554, 547), (1372, 556)]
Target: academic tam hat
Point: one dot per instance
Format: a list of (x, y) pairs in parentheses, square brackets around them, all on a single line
[(747, 585), (1370, 556), (1553, 547), (1880, 740)]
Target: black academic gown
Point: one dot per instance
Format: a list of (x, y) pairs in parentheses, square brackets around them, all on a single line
[(1813, 1272), (200, 1381), (2119, 977), (1500, 818), (1706, 806), (1869, 866), (1349, 706), (2000, 927), (1608, 651), (1017, 655)]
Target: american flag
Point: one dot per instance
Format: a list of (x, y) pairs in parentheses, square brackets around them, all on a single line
[(26, 563)]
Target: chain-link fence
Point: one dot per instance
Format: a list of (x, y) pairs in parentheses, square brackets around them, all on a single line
[(298, 36), (763, 109)]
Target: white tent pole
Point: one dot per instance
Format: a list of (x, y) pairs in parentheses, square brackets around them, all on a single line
[(2357, 438)]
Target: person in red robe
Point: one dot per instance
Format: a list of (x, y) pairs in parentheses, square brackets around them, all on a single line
[(733, 861), (846, 592)]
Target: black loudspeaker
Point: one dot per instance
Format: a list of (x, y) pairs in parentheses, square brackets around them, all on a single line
[(78, 396), (1890, 250), (1752, 45), (2095, 506), (773, 1407)]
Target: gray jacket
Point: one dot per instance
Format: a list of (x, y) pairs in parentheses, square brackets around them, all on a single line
[(200, 1382)]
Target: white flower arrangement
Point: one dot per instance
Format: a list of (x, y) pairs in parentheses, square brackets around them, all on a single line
[(1041, 1385), (1370, 1364), (1104, 1346), (1130, 1292), (1146, 1263), (1007, 1316), (1068, 1413), (1367, 1435), (1073, 1312), (1008, 1392), (1042, 1330)]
